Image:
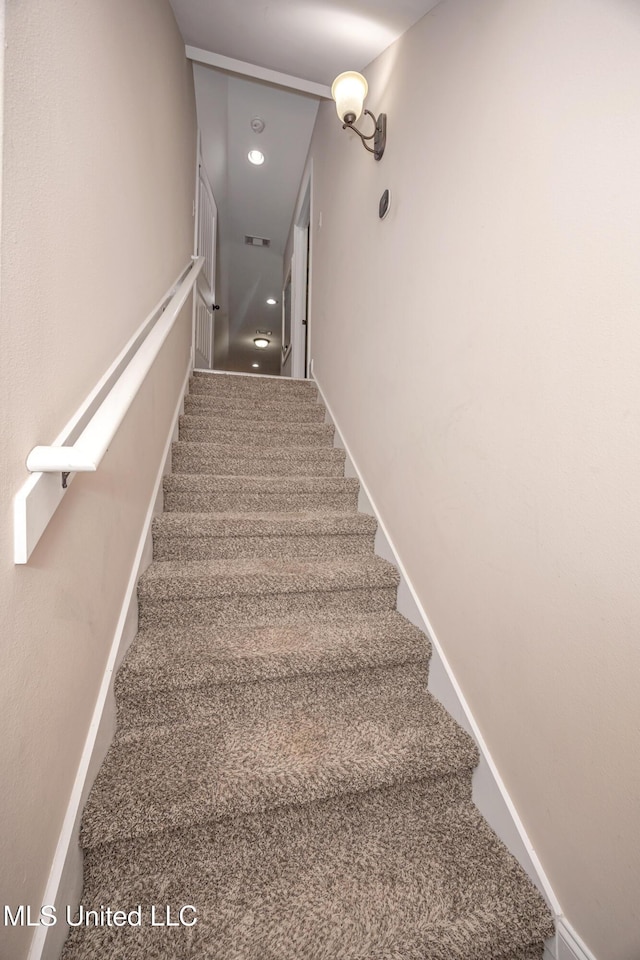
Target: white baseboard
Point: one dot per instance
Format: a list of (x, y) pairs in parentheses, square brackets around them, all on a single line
[(64, 885), (489, 792), (569, 944)]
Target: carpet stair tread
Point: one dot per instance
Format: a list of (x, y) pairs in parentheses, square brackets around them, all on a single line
[(255, 408), (181, 579), (201, 457), (207, 492), (264, 524), (377, 876), (181, 482), (162, 660), (274, 433), (221, 450), (252, 385), (256, 755), (192, 536)]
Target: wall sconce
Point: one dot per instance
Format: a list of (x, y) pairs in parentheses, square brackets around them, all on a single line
[(349, 90)]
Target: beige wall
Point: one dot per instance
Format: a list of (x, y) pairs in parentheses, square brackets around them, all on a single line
[(481, 351), (99, 162)]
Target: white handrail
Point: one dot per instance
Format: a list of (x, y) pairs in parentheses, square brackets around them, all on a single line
[(88, 450), (83, 441)]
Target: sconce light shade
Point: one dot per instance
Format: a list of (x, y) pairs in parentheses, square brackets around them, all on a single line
[(349, 90)]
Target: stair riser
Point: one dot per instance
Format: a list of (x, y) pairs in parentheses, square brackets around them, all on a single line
[(275, 795), (206, 657), (255, 437), (237, 548), (211, 420), (233, 387), (141, 943), (180, 502), (185, 705), (156, 856), (201, 404), (193, 462), (270, 609), (235, 858)]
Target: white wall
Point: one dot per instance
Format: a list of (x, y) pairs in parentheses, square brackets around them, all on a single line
[(480, 350), (98, 183)]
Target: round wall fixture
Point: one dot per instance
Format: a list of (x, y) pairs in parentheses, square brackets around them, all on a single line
[(385, 203), (257, 124), (256, 157)]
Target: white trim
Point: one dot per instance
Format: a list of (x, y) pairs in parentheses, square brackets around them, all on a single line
[(64, 885), (301, 275), (489, 791), (257, 73), (302, 217), (570, 946), (285, 350), (196, 227), (94, 441)]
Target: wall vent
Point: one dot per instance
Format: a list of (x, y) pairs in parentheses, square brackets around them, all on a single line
[(257, 241)]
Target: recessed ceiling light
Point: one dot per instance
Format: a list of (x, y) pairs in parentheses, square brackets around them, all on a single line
[(261, 342), (255, 365), (271, 302), (255, 156)]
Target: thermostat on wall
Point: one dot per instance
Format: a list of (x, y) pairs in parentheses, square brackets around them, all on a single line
[(385, 203)]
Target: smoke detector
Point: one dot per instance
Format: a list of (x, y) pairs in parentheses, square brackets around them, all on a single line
[(257, 124)]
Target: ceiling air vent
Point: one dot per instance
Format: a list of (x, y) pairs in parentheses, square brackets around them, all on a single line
[(257, 241)]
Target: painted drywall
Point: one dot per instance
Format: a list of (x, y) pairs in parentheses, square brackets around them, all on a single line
[(98, 184), (480, 349)]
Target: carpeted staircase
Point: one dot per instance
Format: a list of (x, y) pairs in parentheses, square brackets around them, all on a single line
[(279, 764)]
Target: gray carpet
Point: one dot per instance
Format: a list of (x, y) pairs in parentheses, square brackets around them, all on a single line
[(279, 764)]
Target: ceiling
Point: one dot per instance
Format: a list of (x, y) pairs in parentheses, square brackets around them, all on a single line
[(310, 39)]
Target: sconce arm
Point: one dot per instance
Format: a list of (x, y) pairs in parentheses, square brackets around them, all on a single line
[(350, 126), (379, 135)]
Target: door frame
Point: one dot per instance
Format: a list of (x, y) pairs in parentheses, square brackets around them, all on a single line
[(301, 273), (205, 292)]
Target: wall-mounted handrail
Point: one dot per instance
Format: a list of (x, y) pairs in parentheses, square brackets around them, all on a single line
[(88, 450), (86, 437)]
